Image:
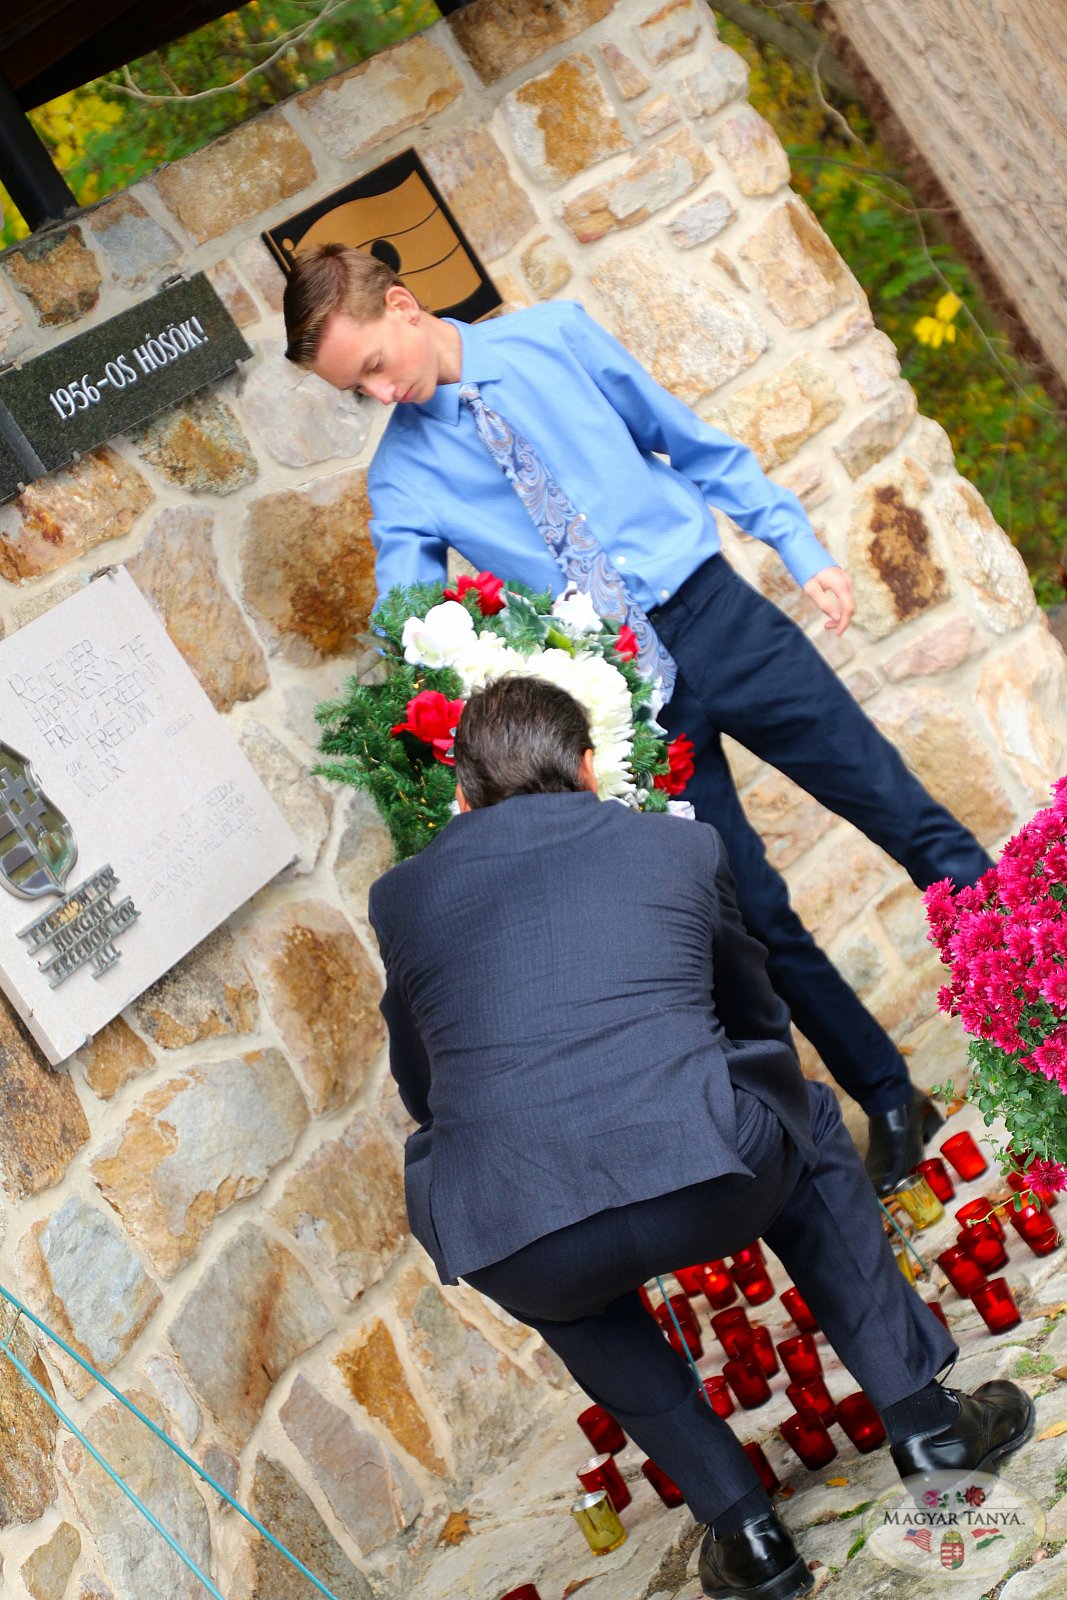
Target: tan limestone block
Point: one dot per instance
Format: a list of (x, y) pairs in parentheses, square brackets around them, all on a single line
[(852, 327), (787, 820), (323, 994), (47, 1571), (911, 1003), (194, 1145), (754, 153), (27, 1433), (939, 649), (948, 757), (114, 1057), (308, 566), (983, 556), (775, 582), (777, 415), (697, 223), (891, 557), (562, 122), (469, 168), (58, 518), (374, 1376), (208, 995), (300, 419), (345, 1208), (546, 267), (489, 1401), (670, 170), (58, 273), (842, 886), (722, 78), (874, 366), (873, 438), (233, 179), (138, 1563), (174, 1397), (282, 1506), (837, 653), (728, 267), (656, 114), (364, 852), (178, 573), (807, 481), (799, 271), (1023, 693), (903, 916), (863, 685), (397, 89), (931, 447), (690, 336), (391, 1109), (42, 1124), (303, 800), (500, 36), (83, 1279), (197, 446), (233, 294), (13, 334), (137, 248), (262, 272), (371, 1494), (860, 962), (670, 31), (253, 1311), (627, 76)]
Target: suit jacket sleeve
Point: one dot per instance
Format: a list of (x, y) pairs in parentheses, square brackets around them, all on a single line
[(745, 1002), (408, 1061)]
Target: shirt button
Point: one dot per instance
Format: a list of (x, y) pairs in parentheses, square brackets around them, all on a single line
[(665, 594), (620, 561)]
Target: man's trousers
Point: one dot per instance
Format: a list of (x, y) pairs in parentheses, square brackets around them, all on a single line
[(746, 670), (578, 1288)]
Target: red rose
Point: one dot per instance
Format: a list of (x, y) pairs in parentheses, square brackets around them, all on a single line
[(490, 592), (432, 718), (626, 643), (680, 756)]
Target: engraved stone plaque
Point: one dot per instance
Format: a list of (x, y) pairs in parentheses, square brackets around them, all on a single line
[(131, 824)]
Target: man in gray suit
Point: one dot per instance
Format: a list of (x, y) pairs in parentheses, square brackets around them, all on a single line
[(606, 1088)]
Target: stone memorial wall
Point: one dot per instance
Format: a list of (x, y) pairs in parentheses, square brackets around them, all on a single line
[(206, 1200)]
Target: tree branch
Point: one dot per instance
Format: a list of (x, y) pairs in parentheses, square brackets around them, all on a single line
[(801, 42)]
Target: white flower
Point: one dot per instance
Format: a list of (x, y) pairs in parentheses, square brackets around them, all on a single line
[(682, 808), (484, 657), (438, 638), (576, 611), (602, 690)]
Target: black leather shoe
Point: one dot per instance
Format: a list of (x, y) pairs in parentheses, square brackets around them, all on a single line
[(757, 1562), (897, 1138), (993, 1421)]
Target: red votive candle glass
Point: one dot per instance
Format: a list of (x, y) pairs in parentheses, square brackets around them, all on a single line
[(665, 1487), (997, 1305), (807, 1436), (754, 1283), (984, 1246), (800, 1358), (718, 1286), (602, 1473), (980, 1210), (961, 1270), (601, 1429), (935, 1307), (1022, 1184), (936, 1174), (525, 1591), (729, 1326), (758, 1349), (1036, 1228), (646, 1299), (797, 1307), (748, 1383), (764, 1470), (690, 1333), (811, 1395), (684, 1311), (718, 1392), (690, 1279), (750, 1256), (858, 1418), (964, 1156)]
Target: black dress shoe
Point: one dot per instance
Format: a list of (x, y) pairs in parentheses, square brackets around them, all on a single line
[(757, 1562), (993, 1421), (897, 1138)]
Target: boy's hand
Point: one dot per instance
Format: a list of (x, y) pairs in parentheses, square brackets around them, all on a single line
[(831, 589)]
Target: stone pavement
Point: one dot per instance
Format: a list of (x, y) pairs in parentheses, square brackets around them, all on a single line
[(522, 1531)]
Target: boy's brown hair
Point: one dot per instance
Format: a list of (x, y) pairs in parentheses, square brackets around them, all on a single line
[(329, 278)]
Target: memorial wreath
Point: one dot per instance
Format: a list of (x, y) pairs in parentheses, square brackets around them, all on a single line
[(393, 737)]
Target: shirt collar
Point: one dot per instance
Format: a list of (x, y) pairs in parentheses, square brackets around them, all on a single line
[(479, 366)]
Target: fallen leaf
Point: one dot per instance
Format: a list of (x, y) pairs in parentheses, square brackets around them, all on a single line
[(574, 1585), (1054, 1432), (787, 1491), (1059, 1372), (456, 1529), (837, 1483)]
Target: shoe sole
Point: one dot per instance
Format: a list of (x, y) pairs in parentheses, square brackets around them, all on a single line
[(784, 1586)]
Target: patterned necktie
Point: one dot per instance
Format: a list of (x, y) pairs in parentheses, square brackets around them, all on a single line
[(575, 548)]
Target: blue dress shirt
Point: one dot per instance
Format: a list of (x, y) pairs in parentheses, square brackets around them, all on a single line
[(601, 424)]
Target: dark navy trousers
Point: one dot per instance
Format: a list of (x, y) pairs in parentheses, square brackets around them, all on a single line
[(746, 670), (578, 1288)]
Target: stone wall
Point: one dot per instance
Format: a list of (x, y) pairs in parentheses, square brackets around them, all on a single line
[(207, 1200)]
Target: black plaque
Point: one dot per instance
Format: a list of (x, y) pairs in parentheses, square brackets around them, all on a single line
[(113, 377), (398, 214)]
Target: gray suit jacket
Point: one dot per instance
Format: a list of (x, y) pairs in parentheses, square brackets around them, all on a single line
[(571, 996)]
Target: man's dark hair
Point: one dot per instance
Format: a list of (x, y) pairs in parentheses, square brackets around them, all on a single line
[(520, 736)]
